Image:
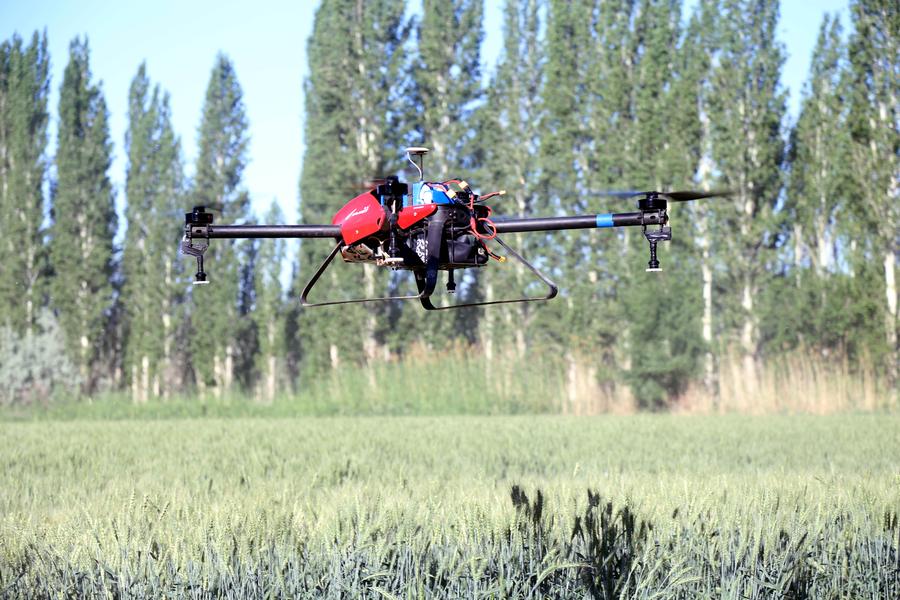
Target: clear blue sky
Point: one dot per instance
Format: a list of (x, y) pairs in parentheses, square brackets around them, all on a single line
[(266, 40)]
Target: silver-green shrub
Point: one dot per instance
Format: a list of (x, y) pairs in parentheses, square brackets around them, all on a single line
[(34, 366)]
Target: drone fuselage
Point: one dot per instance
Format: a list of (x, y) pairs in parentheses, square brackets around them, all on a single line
[(388, 227)]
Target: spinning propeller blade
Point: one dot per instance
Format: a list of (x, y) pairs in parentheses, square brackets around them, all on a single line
[(695, 195), (365, 184), (680, 196), (616, 193)]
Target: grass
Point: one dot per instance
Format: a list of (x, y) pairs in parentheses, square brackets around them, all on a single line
[(460, 381), (462, 506)]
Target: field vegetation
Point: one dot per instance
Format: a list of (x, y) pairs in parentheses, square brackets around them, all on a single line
[(461, 381), (646, 506)]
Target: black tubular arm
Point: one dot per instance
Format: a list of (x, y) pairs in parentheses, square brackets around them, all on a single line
[(271, 231), (630, 219), (503, 225)]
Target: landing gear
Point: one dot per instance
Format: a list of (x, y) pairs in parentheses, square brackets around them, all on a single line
[(654, 236), (196, 239)]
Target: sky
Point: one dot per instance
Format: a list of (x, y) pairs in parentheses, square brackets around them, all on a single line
[(266, 40)]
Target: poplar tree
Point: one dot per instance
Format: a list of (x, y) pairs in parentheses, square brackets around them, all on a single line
[(563, 164), (151, 267), (355, 95), (874, 53), (662, 342), (819, 161), (701, 44), (819, 297), (746, 107), (446, 73), (24, 88), (217, 184), (509, 137), (269, 309), (84, 217)]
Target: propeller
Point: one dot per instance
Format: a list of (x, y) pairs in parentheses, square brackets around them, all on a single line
[(695, 195), (679, 196), (616, 193), (365, 184)]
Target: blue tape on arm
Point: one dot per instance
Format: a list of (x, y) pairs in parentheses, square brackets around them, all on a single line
[(605, 220)]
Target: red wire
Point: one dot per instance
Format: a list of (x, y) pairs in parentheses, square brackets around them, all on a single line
[(488, 224)]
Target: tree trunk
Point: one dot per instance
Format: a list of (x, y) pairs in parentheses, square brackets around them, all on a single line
[(217, 376), (135, 390), (271, 378), (334, 356), (748, 337), (890, 285), (229, 367), (709, 362), (165, 371), (145, 378), (487, 332)]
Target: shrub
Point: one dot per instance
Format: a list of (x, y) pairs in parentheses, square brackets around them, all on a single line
[(34, 366)]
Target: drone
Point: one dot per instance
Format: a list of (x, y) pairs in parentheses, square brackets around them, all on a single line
[(429, 227)]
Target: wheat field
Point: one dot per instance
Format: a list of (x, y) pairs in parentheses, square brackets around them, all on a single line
[(646, 506)]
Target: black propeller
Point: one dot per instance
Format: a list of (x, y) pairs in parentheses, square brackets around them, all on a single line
[(364, 185), (695, 195), (680, 196)]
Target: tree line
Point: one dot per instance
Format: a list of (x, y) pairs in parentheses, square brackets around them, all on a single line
[(587, 95)]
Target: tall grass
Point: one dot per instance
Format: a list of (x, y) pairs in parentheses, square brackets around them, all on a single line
[(798, 382), (461, 381)]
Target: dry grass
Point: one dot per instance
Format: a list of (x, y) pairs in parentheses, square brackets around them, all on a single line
[(792, 384)]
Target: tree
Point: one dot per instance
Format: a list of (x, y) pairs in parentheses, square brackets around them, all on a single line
[(217, 184), (84, 217), (354, 99), (447, 76), (24, 89), (662, 332), (563, 159), (446, 92), (151, 267), (818, 297), (819, 161), (509, 138), (269, 309), (746, 107), (874, 53)]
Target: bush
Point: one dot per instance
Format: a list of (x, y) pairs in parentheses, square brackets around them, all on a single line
[(34, 366)]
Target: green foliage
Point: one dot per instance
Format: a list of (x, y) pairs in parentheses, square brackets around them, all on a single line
[(508, 139), (215, 326), (664, 335), (452, 507), (34, 367), (84, 217), (874, 122), (445, 91), (24, 89), (446, 74), (820, 177), (833, 316), (355, 96), (270, 309), (746, 107), (151, 267)]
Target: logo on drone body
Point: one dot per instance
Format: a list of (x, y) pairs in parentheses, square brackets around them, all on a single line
[(358, 211), (422, 249)]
